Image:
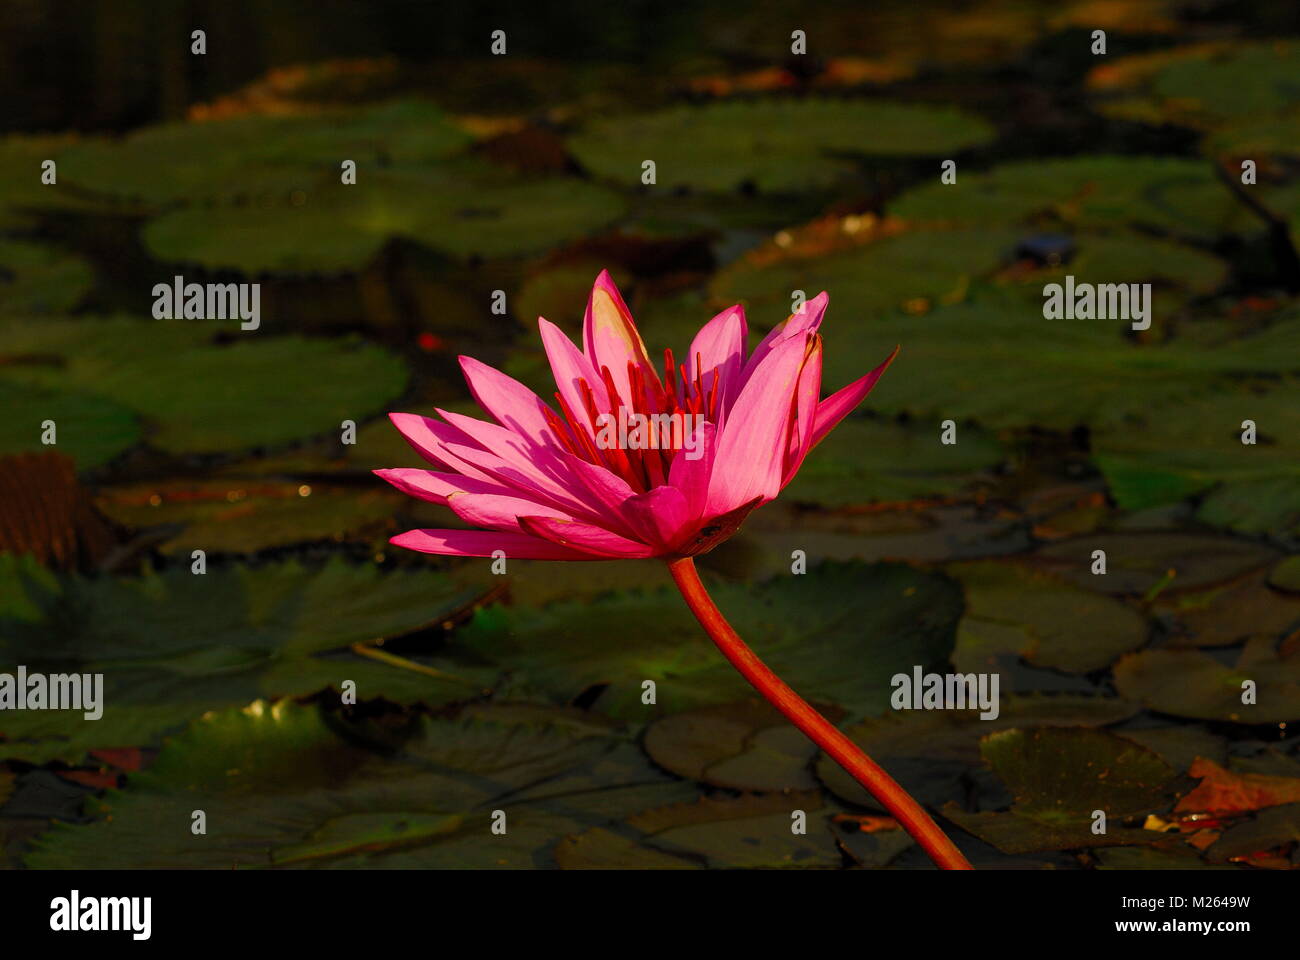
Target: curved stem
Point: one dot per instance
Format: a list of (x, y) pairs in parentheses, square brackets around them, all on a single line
[(842, 750)]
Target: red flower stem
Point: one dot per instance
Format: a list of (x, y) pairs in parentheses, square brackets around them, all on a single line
[(844, 751)]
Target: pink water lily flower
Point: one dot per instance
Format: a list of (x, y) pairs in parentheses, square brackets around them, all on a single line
[(544, 482)]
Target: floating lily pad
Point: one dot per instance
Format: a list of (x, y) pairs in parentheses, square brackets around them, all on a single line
[(1286, 575), (1059, 777), (1180, 745), (288, 786), (930, 752), (1052, 624), (748, 831), (460, 210), (23, 198), (747, 745), (865, 460), (878, 618), (248, 515), (1201, 86), (1150, 858), (36, 279), (1137, 562), (91, 430), (1170, 195), (174, 645), (1268, 830), (1176, 450), (1231, 613), (200, 396), (1187, 683), (254, 154), (773, 145)]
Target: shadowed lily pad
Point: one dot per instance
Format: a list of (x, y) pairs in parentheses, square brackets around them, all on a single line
[(931, 752), (1053, 624), (879, 618), (1137, 562), (89, 429), (1269, 829), (1187, 683), (36, 279), (1059, 778), (174, 645), (287, 785)]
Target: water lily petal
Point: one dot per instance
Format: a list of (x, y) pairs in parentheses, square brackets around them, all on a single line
[(806, 321), (498, 512), (661, 515), (435, 487), (805, 402), (513, 405), (483, 543), (569, 365), (611, 338), (691, 476), (841, 403), (430, 438), (752, 448), (720, 347), (585, 536)]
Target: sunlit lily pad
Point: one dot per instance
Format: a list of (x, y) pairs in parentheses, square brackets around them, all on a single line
[(930, 752), (200, 396), (1014, 610), (879, 618), (1187, 683), (175, 644), (89, 429), (772, 145), (1059, 778), (288, 786)]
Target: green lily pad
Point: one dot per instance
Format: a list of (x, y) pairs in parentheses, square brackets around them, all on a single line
[(200, 396), (1180, 745), (751, 831), (1230, 613), (1201, 86), (254, 154), (1187, 683), (973, 359), (174, 645), (1059, 777), (247, 515), (89, 429), (1176, 450), (747, 745), (1267, 830), (1137, 562), (1151, 858), (1014, 610), (1179, 197), (878, 618), (1267, 505), (288, 786), (930, 752), (23, 198), (865, 460), (461, 210), (1286, 575), (775, 145), (36, 279)]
